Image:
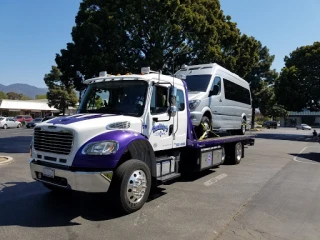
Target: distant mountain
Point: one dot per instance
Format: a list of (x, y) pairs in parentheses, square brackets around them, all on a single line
[(25, 89)]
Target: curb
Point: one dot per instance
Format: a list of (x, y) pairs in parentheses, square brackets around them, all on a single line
[(9, 159)]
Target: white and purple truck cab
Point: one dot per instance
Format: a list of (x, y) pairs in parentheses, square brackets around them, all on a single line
[(130, 133)]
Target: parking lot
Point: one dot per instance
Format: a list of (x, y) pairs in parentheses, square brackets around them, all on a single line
[(273, 194)]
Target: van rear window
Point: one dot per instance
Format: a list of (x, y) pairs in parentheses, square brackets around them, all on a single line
[(236, 92)]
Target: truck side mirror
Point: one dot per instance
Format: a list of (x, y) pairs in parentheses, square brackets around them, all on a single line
[(173, 110), (173, 96)]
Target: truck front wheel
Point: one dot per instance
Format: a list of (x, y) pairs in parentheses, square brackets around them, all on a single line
[(131, 184)]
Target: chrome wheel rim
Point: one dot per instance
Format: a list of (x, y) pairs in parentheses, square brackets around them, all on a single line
[(223, 155), (136, 187), (206, 126), (238, 151), (5, 126)]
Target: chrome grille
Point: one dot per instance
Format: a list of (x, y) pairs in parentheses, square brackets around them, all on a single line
[(54, 142), (119, 125)]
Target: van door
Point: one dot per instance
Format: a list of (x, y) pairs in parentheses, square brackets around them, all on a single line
[(215, 102)]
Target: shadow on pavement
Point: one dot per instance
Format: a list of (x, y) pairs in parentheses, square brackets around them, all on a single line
[(312, 156), (282, 136), (32, 205), (15, 144)]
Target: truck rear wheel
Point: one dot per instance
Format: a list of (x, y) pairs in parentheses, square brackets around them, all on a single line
[(235, 153), (131, 184)]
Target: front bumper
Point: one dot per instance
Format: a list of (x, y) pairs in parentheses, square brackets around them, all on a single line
[(94, 182)]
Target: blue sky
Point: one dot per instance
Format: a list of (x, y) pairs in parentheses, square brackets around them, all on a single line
[(33, 31)]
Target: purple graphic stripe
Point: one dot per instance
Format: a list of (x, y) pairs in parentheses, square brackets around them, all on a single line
[(77, 118), (123, 137)]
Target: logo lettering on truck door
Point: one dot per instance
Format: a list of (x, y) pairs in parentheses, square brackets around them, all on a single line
[(160, 130)]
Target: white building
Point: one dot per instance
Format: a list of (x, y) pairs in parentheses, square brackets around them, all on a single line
[(34, 108), (296, 118)]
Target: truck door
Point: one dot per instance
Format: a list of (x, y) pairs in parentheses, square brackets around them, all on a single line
[(159, 123), (180, 120)]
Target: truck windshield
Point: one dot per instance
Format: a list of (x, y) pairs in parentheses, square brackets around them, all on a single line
[(125, 97), (197, 83)]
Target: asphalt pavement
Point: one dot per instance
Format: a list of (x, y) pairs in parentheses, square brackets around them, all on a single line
[(273, 194)]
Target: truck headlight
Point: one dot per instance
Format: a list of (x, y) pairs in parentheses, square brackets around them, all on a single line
[(101, 148), (193, 104)]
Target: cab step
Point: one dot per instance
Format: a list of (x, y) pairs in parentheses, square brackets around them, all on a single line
[(168, 177)]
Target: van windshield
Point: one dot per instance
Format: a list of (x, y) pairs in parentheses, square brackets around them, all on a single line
[(197, 83)]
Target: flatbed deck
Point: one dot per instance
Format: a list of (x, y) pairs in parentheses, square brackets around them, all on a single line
[(213, 141)]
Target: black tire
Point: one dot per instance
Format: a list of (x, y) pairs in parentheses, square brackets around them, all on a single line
[(235, 153), (204, 125), (5, 126), (223, 155), (19, 125), (243, 128), (120, 187)]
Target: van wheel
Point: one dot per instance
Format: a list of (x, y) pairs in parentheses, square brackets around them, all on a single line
[(131, 184), (205, 125), (243, 129)]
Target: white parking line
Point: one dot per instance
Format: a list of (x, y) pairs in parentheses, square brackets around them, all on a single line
[(295, 158), (215, 179)]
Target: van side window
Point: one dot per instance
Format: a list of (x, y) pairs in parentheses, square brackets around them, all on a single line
[(236, 92), (216, 86), (180, 100), (159, 101)]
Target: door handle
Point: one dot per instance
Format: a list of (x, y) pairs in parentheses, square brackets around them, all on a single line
[(170, 129), (220, 100)]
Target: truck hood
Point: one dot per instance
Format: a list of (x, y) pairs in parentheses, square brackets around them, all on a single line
[(84, 128), (196, 95), (95, 123)]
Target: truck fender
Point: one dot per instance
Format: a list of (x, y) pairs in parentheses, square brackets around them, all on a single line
[(131, 144), (142, 150)]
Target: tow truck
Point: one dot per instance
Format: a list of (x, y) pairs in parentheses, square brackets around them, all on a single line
[(130, 134)]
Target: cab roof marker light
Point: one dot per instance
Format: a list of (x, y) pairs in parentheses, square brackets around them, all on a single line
[(103, 74), (145, 70), (184, 66)]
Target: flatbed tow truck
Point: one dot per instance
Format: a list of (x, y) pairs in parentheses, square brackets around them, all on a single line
[(130, 134)]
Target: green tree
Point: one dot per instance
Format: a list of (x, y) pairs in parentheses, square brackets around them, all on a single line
[(59, 95), (14, 96), (41, 96), (260, 77), (17, 96), (3, 95), (121, 36), (24, 97), (298, 86), (268, 105)]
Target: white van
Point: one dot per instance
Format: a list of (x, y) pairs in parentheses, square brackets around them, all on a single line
[(218, 98)]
